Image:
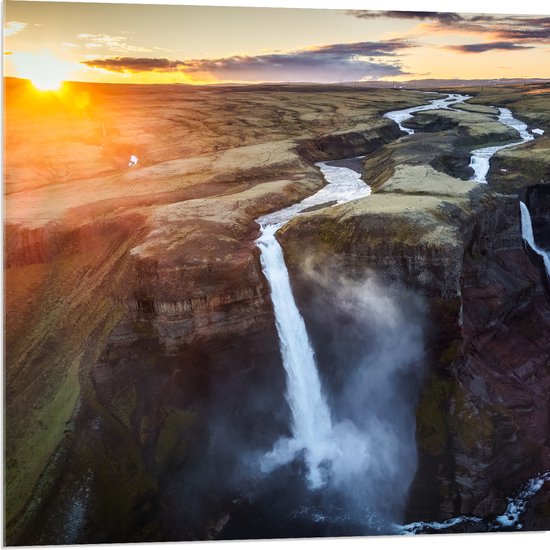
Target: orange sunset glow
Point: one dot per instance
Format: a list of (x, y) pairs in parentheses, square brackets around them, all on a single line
[(47, 72), (50, 42)]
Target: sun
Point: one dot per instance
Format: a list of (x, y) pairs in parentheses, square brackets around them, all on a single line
[(44, 70), (47, 83)]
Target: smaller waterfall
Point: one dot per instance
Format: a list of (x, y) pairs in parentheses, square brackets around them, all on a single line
[(481, 158), (529, 238)]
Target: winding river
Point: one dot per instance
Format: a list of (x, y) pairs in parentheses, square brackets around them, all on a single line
[(480, 158), (441, 103), (315, 436), (480, 161)]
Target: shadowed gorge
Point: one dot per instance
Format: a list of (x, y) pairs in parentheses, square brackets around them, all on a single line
[(146, 381)]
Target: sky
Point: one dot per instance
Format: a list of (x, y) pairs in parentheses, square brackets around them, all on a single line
[(203, 44)]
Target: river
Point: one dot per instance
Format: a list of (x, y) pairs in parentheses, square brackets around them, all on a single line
[(480, 160)]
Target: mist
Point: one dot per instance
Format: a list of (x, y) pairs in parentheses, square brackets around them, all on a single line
[(368, 342), (373, 372)]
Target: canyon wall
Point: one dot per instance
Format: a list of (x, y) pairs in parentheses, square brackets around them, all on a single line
[(482, 418)]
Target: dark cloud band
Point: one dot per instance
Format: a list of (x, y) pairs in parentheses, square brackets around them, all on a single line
[(515, 28), (487, 46), (135, 64), (322, 63), (445, 17)]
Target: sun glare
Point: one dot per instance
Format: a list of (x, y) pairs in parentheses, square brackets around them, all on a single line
[(46, 82), (44, 70)]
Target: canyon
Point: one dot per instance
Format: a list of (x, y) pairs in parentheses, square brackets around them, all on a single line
[(142, 359)]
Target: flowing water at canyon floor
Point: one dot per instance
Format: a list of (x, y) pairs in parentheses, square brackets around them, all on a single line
[(509, 520)]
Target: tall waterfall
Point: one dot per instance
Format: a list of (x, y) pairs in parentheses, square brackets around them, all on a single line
[(529, 238), (312, 428), (311, 421)]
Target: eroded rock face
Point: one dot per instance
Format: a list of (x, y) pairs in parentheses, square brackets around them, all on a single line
[(488, 399), (482, 419), (362, 140), (213, 296)]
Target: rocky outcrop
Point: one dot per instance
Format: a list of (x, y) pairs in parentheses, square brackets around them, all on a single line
[(26, 246), (468, 128), (240, 304), (46, 243), (362, 140)]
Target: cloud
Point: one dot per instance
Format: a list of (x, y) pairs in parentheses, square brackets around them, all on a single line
[(532, 30), (135, 64), (13, 27), (117, 44), (510, 28), (330, 63), (388, 47), (514, 28), (487, 46), (422, 15)]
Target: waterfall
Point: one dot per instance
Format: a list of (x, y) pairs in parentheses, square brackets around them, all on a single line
[(312, 429), (311, 421), (480, 160), (529, 238)]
